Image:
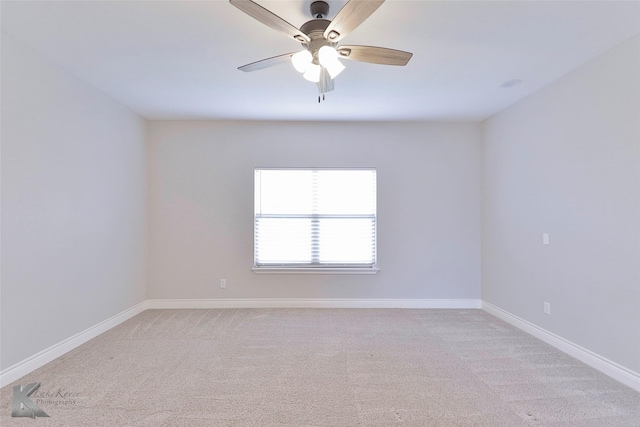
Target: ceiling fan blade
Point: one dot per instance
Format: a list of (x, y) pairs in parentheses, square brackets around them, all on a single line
[(375, 55), (354, 13), (265, 63), (270, 19)]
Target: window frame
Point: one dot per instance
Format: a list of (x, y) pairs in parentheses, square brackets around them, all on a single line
[(317, 268)]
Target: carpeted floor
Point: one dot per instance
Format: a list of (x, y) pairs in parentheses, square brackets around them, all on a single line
[(322, 367)]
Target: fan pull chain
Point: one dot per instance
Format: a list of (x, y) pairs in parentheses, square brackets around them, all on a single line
[(319, 98)]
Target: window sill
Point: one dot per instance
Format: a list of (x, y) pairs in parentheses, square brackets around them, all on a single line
[(312, 270)]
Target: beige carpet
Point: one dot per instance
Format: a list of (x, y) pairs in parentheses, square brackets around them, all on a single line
[(322, 367)]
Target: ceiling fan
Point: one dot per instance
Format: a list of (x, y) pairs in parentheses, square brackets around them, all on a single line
[(319, 61)]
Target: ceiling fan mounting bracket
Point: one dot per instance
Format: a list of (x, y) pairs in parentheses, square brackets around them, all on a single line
[(319, 9)]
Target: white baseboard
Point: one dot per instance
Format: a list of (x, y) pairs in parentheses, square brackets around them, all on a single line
[(604, 365), (40, 359), (311, 303)]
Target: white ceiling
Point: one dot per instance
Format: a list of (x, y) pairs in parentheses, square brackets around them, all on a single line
[(179, 59)]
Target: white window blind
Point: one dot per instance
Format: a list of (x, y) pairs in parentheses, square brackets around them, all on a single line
[(316, 218)]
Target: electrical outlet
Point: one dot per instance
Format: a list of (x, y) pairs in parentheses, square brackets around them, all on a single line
[(223, 283), (547, 308), (545, 238)]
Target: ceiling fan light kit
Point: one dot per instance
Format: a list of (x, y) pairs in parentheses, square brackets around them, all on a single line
[(319, 62), (304, 62)]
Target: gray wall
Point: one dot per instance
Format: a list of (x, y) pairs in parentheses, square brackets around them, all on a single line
[(75, 194), (73, 205), (201, 202), (565, 161)]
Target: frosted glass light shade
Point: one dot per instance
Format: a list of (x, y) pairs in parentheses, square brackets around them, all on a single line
[(328, 58), (313, 73), (326, 55), (334, 68), (301, 60)]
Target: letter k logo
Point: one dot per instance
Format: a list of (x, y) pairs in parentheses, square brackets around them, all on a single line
[(23, 406)]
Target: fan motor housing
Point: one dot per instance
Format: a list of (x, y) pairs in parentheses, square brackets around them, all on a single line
[(315, 26), (315, 30)]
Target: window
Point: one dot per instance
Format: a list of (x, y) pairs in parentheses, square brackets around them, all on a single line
[(315, 219)]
